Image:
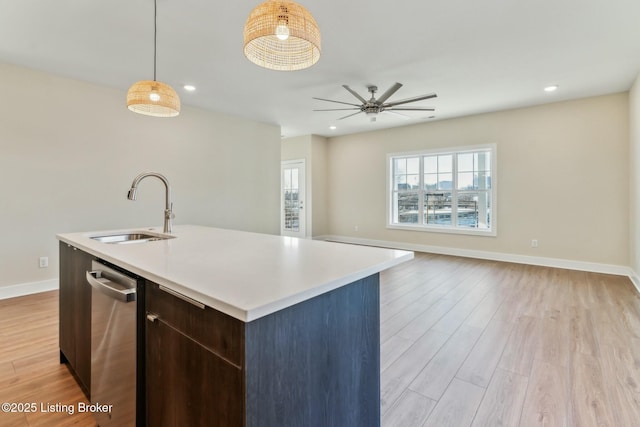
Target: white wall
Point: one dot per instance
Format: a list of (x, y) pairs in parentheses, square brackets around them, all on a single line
[(634, 179), (563, 178), (69, 151)]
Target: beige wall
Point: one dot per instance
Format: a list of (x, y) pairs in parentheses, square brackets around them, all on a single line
[(296, 148), (319, 179), (313, 149), (634, 176), (562, 179), (69, 151)]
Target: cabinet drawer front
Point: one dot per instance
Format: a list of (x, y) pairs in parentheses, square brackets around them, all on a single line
[(219, 332)]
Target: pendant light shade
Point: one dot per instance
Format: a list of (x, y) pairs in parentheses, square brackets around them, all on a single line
[(151, 97), (281, 35)]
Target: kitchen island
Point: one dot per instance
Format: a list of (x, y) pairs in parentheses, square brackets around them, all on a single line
[(250, 329)]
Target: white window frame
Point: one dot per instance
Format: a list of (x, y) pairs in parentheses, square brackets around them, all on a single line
[(492, 231)]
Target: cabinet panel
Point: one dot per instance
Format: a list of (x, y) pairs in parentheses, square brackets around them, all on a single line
[(187, 384), (67, 305), (219, 332), (317, 363), (75, 312)]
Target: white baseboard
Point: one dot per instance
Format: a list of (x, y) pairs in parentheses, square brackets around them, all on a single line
[(494, 256), (28, 288), (634, 279), (52, 284)]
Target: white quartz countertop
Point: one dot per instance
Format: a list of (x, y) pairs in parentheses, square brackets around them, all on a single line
[(246, 275)]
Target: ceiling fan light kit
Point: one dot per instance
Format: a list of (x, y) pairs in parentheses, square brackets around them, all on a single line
[(373, 106), (282, 35), (151, 97)]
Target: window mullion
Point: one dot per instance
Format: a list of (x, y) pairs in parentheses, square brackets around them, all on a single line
[(454, 192), (421, 191)]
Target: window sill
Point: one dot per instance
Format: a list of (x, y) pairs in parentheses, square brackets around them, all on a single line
[(446, 230)]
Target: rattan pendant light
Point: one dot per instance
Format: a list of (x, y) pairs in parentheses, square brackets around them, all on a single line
[(281, 35), (151, 97)]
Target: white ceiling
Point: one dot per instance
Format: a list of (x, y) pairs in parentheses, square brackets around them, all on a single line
[(478, 56)]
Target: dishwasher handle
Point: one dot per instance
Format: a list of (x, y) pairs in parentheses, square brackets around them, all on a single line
[(105, 286)]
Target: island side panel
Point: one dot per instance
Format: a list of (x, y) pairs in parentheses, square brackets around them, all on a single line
[(317, 363), (75, 314)]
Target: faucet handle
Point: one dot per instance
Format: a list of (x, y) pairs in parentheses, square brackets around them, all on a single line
[(169, 212)]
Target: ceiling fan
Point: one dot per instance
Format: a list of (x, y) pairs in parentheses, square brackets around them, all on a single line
[(374, 106)]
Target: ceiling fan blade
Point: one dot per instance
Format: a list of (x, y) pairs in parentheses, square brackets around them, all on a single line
[(338, 109), (350, 115), (410, 109), (404, 116), (393, 89), (338, 102), (406, 101), (354, 93)]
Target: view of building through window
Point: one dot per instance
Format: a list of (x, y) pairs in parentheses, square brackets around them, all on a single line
[(291, 202), (450, 189)]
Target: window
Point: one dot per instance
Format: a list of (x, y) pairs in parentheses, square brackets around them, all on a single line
[(448, 191)]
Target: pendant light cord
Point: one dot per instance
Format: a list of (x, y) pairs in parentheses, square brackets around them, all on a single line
[(155, 36)]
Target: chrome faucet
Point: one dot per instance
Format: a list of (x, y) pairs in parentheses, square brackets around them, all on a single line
[(168, 210)]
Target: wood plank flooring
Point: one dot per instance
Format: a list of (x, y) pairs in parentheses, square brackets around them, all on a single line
[(463, 343), (479, 343), (30, 369)]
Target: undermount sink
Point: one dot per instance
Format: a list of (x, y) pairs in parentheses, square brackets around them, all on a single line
[(136, 237)]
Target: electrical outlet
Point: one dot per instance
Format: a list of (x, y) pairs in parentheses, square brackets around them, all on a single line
[(44, 262), (534, 243), (355, 228)]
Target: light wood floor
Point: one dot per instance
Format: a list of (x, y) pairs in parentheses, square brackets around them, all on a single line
[(30, 369), (464, 343), (481, 343)]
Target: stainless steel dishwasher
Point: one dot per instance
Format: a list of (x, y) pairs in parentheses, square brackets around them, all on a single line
[(114, 338)]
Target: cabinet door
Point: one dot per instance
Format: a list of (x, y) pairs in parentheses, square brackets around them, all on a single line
[(187, 384), (75, 312)]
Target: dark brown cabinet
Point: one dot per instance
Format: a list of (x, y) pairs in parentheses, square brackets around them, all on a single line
[(75, 313), (193, 363), (316, 363)]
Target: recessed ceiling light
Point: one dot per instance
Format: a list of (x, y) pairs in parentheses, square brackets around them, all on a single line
[(551, 88), (189, 88), (333, 127)]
